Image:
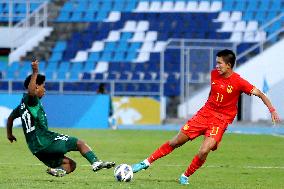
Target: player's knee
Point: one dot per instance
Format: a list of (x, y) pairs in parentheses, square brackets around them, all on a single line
[(176, 143), (203, 153), (80, 144)]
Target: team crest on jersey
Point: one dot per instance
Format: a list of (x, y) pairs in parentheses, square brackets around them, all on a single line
[(186, 127), (229, 89)]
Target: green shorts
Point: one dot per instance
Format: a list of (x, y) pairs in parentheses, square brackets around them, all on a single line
[(53, 155)]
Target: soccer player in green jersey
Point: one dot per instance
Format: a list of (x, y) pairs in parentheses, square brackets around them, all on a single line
[(49, 147)]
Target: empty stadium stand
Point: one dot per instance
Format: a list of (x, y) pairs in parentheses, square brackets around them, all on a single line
[(122, 42)]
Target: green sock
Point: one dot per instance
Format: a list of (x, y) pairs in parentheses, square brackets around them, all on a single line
[(91, 157)]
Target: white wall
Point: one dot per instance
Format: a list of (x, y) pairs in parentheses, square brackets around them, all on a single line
[(14, 37), (30, 43), (269, 65)]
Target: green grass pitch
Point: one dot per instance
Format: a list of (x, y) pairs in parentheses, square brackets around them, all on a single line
[(242, 161)]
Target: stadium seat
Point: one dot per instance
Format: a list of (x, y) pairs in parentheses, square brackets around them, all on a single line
[(128, 37), (143, 6)]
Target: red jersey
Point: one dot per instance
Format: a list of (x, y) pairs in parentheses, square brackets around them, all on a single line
[(223, 98)]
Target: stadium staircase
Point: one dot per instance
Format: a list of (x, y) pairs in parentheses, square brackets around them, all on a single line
[(62, 31)]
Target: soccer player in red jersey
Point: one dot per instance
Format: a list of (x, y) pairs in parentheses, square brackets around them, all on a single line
[(214, 117)]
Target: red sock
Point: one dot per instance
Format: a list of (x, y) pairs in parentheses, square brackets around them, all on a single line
[(164, 150), (195, 164)]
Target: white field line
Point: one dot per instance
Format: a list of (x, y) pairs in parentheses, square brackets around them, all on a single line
[(206, 166), (277, 135)]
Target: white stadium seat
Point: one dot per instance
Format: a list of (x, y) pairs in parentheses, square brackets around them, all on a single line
[(240, 26), (155, 6), (204, 6), (216, 6), (97, 46), (151, 36), (191, 6), (143, 57), (159, 46), (142, 26), (130, 26), (236, 16), (252, 26), (227, 27), (249, 37), (223, 17), (260, 36), (180, 6), (147, 46), (167, 6), (101, 67), (113, 16), (81, 56), (143, 6), (236, 37), (138, 37), (113, 36)]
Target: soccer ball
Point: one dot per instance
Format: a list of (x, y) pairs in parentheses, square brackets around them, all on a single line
[(123, 173)]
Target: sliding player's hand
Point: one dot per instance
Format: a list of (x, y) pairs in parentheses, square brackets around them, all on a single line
[(35, 66), (11, 138)]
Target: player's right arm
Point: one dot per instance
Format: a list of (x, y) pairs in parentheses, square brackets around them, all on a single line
[(15, 114), (32, 85)]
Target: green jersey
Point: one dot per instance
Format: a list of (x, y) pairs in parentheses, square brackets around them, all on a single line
[(34, 123)]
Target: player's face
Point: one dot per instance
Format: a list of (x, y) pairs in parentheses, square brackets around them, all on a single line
[(40, 91), (222, 67)]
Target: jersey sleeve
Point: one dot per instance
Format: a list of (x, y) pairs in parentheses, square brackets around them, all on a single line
[(246, 86), (16, 112)]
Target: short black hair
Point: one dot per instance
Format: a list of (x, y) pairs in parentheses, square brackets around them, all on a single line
[(39, 80), (228, 56), (101, 88)]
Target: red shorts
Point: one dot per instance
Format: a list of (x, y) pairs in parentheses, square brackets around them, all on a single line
[(205, 124)]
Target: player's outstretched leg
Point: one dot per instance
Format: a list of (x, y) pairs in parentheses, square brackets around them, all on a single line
[(96, 164), (163, 150), (143, 165), (183, 179)]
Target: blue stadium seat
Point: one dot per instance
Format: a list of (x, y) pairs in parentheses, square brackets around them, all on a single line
[(61, 75), (4, 85), (18, 86), (52, 86), (64, 66), (94, 56), (86, 76), (98, 76), (74, 75), (59, 46)]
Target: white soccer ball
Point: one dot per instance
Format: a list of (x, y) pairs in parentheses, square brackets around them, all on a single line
[(123, 173)]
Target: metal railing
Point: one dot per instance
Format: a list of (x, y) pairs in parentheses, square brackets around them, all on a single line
[(186, 46), (261, 44), (111, 86), (37, 19), (11, 16)]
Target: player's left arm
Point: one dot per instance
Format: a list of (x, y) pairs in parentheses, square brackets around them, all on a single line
[(9, 126), (274, 115), (32, 85)]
